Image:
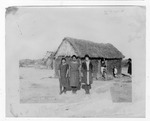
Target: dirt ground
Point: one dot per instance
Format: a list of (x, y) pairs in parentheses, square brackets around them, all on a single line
[(37, 86)]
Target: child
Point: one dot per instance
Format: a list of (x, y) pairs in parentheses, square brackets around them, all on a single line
[(103, 71), (115, 72)]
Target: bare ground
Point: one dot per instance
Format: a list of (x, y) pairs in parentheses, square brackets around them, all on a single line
[(37, 86)]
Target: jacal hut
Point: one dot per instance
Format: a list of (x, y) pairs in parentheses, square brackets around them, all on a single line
[(48, 59), (99, 53)]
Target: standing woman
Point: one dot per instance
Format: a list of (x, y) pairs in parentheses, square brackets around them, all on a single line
[(63, 75), (87, 72), (130, 66), (74, 74)]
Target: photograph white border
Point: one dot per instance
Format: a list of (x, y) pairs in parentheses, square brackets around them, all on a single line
[(8, 3)]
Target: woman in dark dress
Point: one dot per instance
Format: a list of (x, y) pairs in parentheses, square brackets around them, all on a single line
[(87, 72), (74, 69), (63, 75), (130, 66)]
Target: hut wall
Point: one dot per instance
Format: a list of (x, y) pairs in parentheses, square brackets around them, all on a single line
[(95, 67), (112, 63), (65, 50)]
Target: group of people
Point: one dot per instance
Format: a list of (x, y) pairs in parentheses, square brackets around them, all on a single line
[(73, 74)]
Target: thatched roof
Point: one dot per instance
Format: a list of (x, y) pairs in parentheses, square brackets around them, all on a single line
[(83, 47)]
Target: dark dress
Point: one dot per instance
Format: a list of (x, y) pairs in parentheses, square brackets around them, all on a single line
[(130, 68), (63, 79), (84, 70), (74, 74)]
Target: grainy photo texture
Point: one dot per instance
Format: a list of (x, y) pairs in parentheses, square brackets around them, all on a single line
[(75, 61)]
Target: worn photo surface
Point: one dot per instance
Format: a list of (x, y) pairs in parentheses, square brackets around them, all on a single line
[(81, 61)]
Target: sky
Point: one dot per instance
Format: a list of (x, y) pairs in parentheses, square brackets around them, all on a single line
[(31, 31)]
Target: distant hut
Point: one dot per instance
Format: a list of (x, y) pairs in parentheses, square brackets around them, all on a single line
[(48, 60), (99, 53)]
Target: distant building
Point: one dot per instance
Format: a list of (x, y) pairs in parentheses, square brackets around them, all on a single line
[(100, 53), (48, 59)]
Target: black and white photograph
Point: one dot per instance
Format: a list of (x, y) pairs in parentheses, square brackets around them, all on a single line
[(75, 61)]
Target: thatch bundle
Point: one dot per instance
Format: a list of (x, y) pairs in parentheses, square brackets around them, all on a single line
[(101, 50)]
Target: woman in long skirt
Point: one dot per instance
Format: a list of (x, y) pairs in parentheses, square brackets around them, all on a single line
[(63, 76), (74, 74), (87, 72), (130, 66)]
